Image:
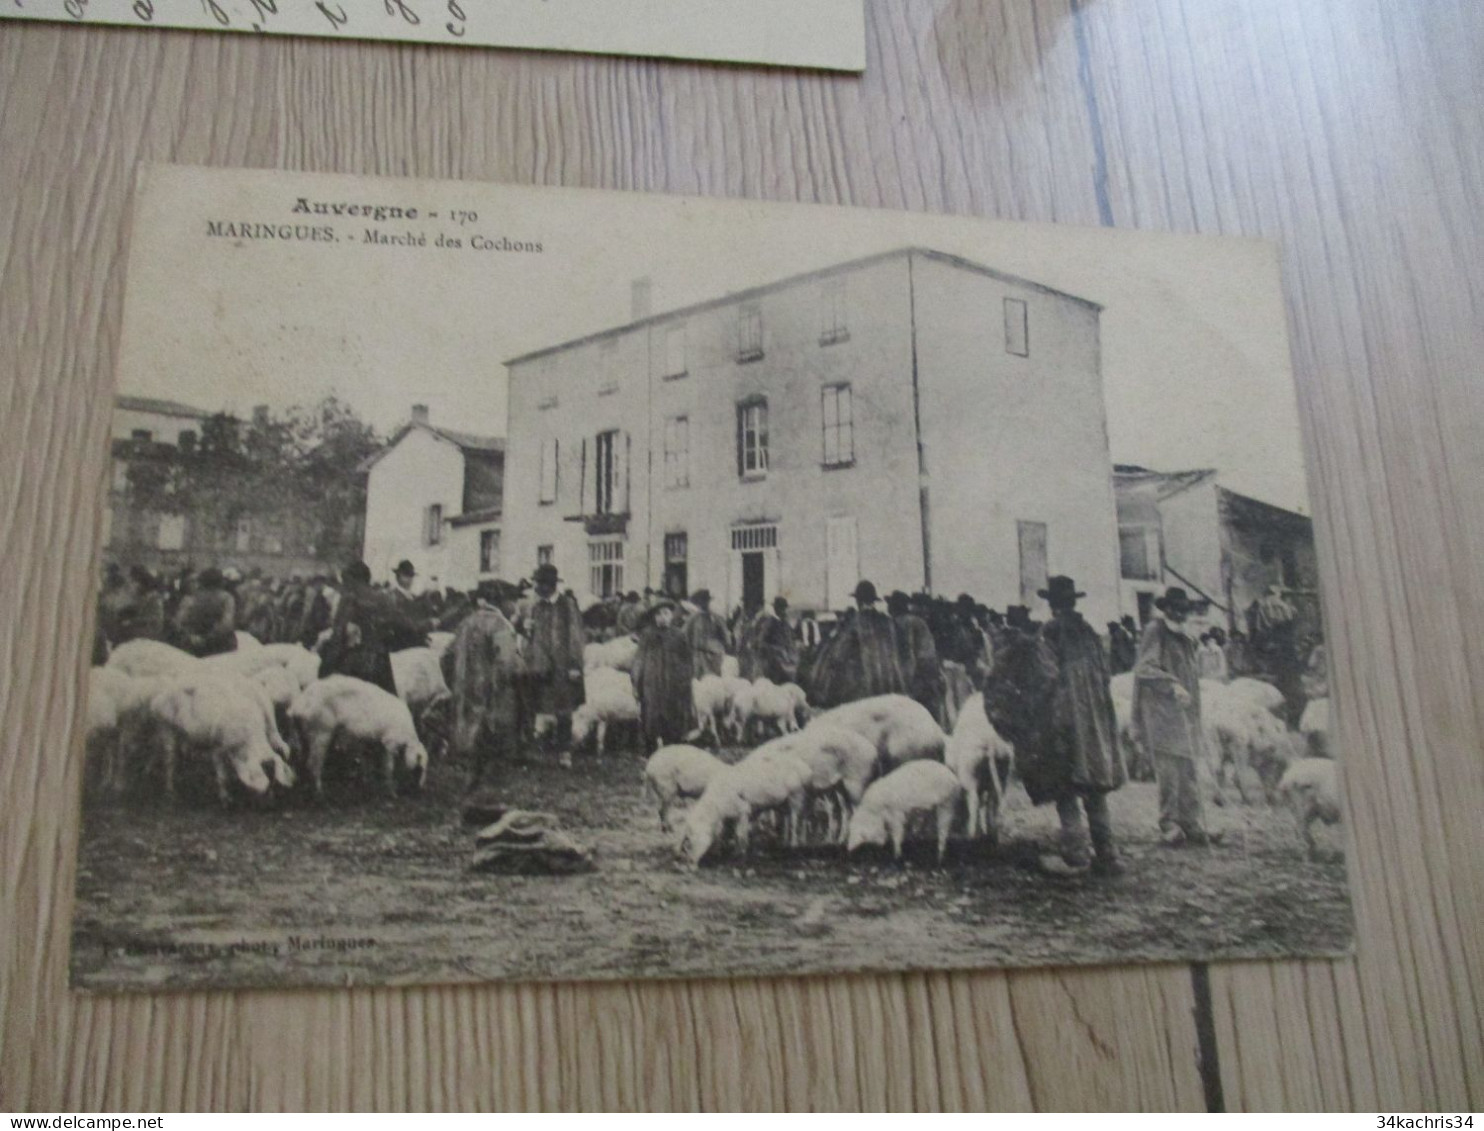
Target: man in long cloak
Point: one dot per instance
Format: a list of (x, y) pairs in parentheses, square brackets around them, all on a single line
[(142, 616), (708, 636), (554, 656), (1080, 759), (487, 659), (861, 659), (1167, 716), (206, 622), (917, 655), (366, 630), (770, 651)]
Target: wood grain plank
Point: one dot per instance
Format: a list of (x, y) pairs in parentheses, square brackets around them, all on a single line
[(1322, 115)]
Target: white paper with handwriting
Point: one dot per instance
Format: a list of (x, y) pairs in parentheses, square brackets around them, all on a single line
[(828, 34)]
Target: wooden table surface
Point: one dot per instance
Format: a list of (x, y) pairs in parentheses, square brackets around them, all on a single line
[(1349, 130)]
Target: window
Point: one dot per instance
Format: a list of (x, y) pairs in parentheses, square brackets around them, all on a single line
[(489, 551), (674, 353), (605, 566), (171, 535), (832, 313), (1017, 328), (677, 551), (754, 537), (143, 435), (752, 439), (677, 451), (1138, 553), (839, 426), (609, 463), (545, 555), (244, 535), (550, 451), (749, 333), (433, 525), (608, 369)]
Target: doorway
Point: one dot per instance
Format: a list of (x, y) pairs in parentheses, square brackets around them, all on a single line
[(754, 571)]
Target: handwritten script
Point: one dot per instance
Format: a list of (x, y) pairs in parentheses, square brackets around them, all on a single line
[(803, 33)]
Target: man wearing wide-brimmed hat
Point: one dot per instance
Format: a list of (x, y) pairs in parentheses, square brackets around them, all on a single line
[(861, 659), (710, 639), (1167, 716), (554, 655), (486, 658), (1079, 764)]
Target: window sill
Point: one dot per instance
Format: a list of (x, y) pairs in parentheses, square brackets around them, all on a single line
[(684, 373), (546, 503), (753, 476), (744, 356), (832, 338), (839, 465)]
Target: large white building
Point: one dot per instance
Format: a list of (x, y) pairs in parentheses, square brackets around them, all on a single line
[(433, 498), (912, 418)]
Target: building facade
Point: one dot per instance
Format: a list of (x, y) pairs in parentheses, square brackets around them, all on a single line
[(433, 497), (911, 418), (149, 438), (1184, 528)]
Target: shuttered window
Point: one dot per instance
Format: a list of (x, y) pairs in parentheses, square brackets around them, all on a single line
[(838, 425), (752, 439)]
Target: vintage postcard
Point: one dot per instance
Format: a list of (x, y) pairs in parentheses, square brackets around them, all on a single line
[(518, 583), (824, 34)]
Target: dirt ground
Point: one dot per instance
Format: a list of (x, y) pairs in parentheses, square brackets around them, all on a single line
[(365, 890)]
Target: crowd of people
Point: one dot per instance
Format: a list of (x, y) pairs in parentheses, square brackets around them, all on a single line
[(515, 666)]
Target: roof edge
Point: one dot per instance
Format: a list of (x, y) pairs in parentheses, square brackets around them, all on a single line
[(761, 289)]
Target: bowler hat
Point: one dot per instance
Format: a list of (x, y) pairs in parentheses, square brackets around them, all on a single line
[(546, 574), (211, 578), (865, 592), (1060, 589), (896, 601), (356, 571), (1175, 598), (780, 603), (701, 597), (1018, 616), (404, 566)]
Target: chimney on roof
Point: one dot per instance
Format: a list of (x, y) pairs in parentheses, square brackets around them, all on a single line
[(641, 292), (419, 414)]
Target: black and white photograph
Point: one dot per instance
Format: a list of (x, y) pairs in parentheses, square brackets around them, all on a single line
[(518, 583)]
